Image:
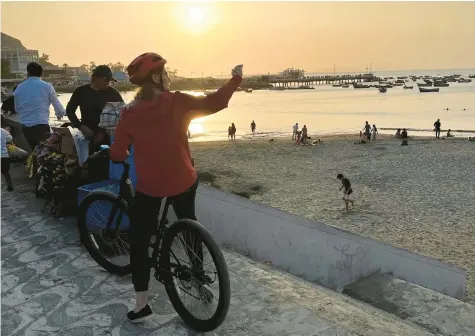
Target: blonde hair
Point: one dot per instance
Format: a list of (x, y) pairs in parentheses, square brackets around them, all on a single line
[(149, 88)]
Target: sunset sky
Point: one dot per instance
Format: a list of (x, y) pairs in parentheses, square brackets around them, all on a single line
[(211, 37)]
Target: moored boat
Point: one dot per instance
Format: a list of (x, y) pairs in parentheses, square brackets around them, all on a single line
[(427, 89), (382, 89)]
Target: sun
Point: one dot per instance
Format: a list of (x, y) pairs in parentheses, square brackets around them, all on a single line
[(196, 15)]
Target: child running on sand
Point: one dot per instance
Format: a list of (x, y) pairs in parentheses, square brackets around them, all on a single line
[(348, 195)]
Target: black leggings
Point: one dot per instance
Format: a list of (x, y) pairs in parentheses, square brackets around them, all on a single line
[(144, 212)]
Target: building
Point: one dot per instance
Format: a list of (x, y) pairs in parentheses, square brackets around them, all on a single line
[(19, 59)]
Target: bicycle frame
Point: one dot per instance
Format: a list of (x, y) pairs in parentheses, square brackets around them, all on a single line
[(126, 193)]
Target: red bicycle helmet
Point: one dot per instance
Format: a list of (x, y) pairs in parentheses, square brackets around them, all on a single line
[(143, 65)]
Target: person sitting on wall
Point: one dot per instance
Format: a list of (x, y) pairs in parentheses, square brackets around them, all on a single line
[(91, 99)]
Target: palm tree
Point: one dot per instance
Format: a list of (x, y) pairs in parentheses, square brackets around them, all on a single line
[(84, 67), (65, 67)]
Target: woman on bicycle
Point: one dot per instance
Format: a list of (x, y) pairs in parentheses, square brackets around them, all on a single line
[(156, 123)]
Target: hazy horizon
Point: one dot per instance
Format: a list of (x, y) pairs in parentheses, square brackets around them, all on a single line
[(211, 37)]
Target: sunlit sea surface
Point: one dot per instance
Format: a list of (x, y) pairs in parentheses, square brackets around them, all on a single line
[(334, 110)]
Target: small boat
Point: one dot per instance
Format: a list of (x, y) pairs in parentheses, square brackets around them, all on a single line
[(464, 80), (426, 89), (337, 85), (471, 76), (382, 89), (408, 87), (360, 86), (248, 91), (345, 86), (441, 84)]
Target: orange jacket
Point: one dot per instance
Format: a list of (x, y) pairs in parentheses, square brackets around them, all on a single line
[(157, 129)]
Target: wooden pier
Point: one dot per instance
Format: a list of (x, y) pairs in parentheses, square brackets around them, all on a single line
[(280, 81)]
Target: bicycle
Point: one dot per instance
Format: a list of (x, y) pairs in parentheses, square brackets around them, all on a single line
[(103, 241)]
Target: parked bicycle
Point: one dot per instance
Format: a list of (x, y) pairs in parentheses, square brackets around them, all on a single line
[(177, 252)]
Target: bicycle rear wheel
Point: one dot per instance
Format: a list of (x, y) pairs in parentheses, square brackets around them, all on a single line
[(195, 275), (102, 223)]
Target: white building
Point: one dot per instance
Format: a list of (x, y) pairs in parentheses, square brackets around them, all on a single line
[(19, 59)]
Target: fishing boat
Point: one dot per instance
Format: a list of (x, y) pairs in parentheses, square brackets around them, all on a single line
[(248, 91), (441, 84), (382, 89), (408, 87), (464, 80), (345, 86), (337, 85), (360, 86), (426, 89)]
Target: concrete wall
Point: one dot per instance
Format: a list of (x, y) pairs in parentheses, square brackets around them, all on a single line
[(313, 250)]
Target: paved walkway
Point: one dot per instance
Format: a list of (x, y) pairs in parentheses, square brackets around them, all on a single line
[(50, 286)]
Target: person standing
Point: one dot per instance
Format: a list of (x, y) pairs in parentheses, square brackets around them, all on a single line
[(156, 124), (437, 125), (304, 135), (375, 131), (253, 127), (295, 130), (367, 131), (32, 100), (91, 99), (233, 131), (348, 195)]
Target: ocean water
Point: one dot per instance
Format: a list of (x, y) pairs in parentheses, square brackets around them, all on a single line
[(334, 110)]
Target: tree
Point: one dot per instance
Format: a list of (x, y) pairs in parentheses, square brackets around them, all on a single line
[(65, 67), (92, 66), (118, 67), (172, 73), (44, 59), (84, 68), (5, 70)]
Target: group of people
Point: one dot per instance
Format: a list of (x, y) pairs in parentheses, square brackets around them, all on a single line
[(156, 122), (301, 137), (232, 132)]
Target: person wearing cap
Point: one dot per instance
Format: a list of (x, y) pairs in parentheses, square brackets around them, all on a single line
[(32, 100), (91, 99)]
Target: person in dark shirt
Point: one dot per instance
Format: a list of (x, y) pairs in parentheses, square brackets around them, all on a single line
[(253, 127), (91, 99), (367, 131), (348, 195), (437, 125), (8, 105)]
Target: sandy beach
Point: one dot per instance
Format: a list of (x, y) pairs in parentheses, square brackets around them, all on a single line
[(418, 197)]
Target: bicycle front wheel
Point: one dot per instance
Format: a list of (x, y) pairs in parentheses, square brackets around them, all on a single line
[(103, 223), (195, 275)]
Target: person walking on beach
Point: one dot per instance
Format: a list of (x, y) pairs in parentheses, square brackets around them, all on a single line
[(304, 135), (233, 131), (375, 131), (367, 131), (348, 195), (156, 122), (437, 125), (253, 127), (32, 100), (295, 130), (230, 133)]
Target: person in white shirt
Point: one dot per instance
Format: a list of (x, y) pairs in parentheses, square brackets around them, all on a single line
[(6, 137), (32, 99), (295, 129)]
